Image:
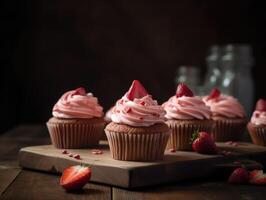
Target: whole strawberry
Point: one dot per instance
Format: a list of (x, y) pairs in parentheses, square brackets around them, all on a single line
[(203, 143), (239, 175)]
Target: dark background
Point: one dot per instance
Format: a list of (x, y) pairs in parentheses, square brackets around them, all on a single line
[(51, 46)]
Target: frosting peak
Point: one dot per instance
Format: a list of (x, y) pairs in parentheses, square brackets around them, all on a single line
[(225, 106), (258, 117), (141, 110), (186, 108), (77, 104)]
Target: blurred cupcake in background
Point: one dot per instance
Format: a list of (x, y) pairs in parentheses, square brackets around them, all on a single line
[(185, 115), (77, 120), (228, 114), (137, 131), (257, 124)]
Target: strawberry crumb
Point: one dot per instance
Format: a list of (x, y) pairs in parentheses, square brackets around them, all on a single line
[(77, 156), (141, 118), (142, 103), (64, 152), (70, 155), (172, 150), (127, 110), (97, 151), (229, 142)]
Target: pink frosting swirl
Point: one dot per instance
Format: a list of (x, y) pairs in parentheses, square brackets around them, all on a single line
[(258, 117), (108, 115), (186, 108), (225, 106), (77, 104), (140, 112)]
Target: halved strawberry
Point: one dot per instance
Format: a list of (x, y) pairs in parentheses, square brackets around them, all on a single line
[(215, 93), (203, 143), (257, 177), (183, 90), (261, 105), (75, 177), (239, 175), (136, 91), (79, 91)]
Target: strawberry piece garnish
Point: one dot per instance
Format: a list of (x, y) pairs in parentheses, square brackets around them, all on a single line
[(97, 151), (77, 156), (203, 143), (239, 175), (183, 90), (79, 91), (257, 177), (64, 152), (75, 177), (215, 93), (261, 105), (136, 91)]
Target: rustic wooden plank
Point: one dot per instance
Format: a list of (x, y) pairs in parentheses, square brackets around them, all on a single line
[(7, 176), (195, 191), (175, 167), (26, 135), (34, 185)]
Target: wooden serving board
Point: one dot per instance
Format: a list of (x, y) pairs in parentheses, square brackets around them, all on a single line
[(176, 166)]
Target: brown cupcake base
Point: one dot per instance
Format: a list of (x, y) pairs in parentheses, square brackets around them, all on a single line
[(257, 133), (137, 143), (75, 133), (228, 129), (182, 131)]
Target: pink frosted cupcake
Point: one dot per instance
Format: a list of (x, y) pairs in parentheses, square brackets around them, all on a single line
[(185, 115), (257, 124), (137, 131), (77, 120), (228, 114)]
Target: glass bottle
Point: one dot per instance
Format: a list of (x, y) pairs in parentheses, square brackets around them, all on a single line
[(213, 75), (244, 87), (227, 82)]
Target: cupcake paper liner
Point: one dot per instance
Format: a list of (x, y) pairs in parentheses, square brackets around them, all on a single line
[(70, 135), (182, 131), (257, 134), (135, 145), (228, 129)]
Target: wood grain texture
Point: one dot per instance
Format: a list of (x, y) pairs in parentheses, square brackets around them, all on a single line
[(34, 185), (194, 191), (175, 166), (7, 176)]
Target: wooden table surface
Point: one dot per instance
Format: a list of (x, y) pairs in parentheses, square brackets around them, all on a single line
[(17, 183)]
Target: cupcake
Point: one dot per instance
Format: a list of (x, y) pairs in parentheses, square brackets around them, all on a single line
[(137, 131), (107, 116), (185, 115), (257, 124), (107, 120), (228, 115), (77, 120)]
